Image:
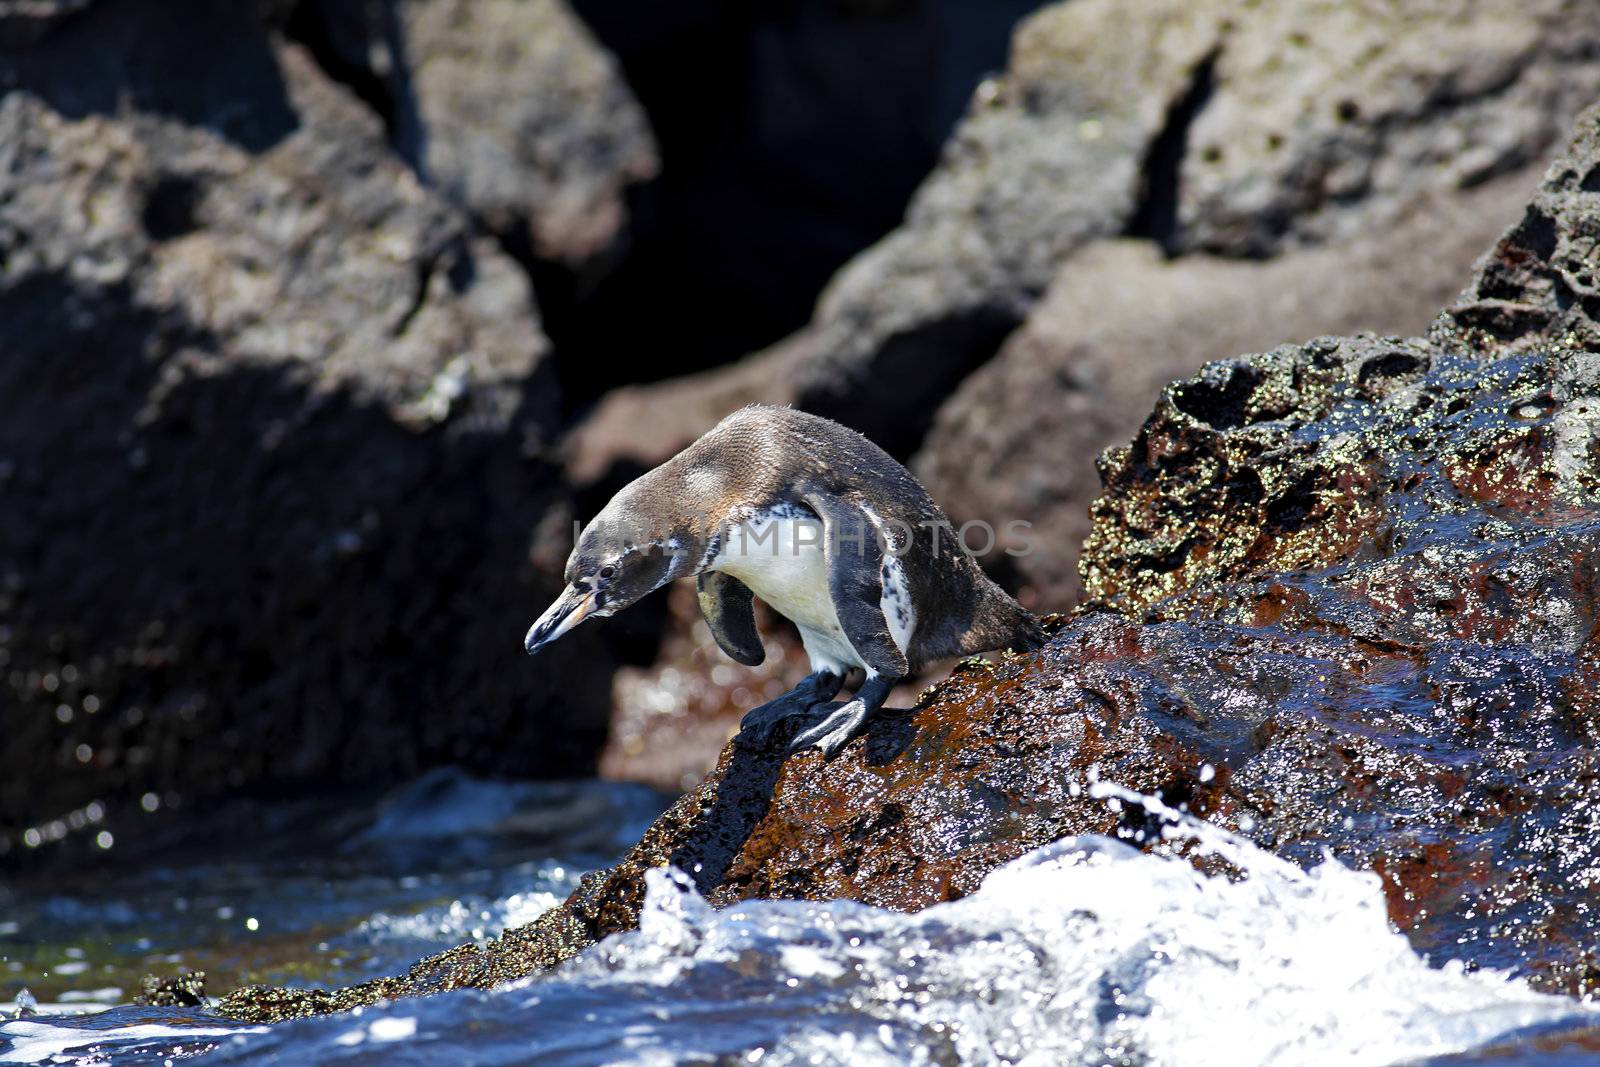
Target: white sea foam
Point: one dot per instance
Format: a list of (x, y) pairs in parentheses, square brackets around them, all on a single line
[(37, 1042)]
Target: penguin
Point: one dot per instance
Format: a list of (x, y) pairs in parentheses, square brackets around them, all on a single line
[(826, 528)]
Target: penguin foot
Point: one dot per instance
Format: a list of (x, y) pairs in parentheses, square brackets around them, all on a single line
[(758, 723), (835, 730), (814, 691)]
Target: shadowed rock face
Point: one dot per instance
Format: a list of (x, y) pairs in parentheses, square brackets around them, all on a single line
[(1358, 593), (24, 22), (270, 421)]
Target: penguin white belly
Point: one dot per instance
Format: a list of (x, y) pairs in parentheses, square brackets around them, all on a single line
[(778, 553)]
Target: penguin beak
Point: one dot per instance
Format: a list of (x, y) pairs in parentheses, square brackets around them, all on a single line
[(571, 608)]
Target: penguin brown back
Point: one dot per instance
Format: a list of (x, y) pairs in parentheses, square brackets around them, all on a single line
[(824, 526)]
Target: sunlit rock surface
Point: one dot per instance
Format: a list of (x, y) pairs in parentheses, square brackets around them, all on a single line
[(1218, 126), (1357, 585), (272, 433)]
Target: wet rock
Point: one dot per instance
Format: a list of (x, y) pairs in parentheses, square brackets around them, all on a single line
[(1221, 126), (272, 427), (1358, 613), (1402, 524), (512, 110), (183, 991), (1018, 439)]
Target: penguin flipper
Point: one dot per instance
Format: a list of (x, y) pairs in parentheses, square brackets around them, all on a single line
[(728, 607), (855, 581)]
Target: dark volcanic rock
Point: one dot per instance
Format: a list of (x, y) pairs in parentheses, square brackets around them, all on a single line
[(1360, 583), (1419, 528), (1539, 283), (270, 431)]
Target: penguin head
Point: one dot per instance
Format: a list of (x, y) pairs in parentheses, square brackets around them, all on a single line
[(614, 565)]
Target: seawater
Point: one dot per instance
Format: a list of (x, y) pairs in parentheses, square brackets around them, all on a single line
[(1087, 951)]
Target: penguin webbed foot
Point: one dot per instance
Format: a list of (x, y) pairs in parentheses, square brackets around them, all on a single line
[(813, 691), (847, 721), (759, 723)]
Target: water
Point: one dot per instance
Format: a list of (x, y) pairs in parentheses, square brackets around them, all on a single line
[(1087, 951)]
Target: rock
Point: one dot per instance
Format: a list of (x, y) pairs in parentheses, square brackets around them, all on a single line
[(1538, 282), (1328, 120), (272, 435), (1221, 126), (1358, 614), (25, 22), (186, 990), (1443, 127), (513, 111), (1048, 158), (794, 133), (1240, 167), (1018, 439)]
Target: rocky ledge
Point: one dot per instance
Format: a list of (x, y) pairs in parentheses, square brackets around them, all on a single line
[(1343, 597)]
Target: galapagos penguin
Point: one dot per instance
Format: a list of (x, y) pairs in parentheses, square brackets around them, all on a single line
[(825, 527)]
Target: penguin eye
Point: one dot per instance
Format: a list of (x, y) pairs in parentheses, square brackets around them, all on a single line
[(607, 571)]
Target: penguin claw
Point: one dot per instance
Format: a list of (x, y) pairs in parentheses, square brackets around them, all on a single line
[(836, 730)]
